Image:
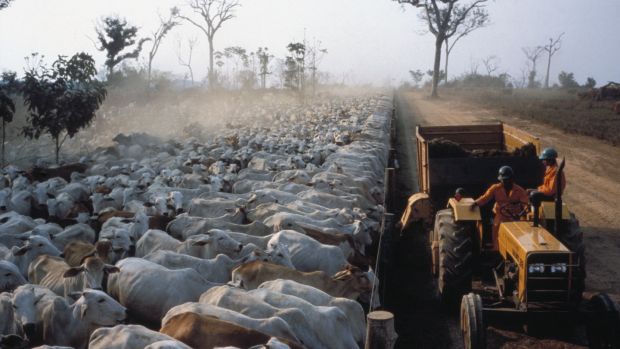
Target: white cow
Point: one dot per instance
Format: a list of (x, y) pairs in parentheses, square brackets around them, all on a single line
[(35, 246), (324, 319), (72, 325), (217, 269), (7, 322), (150, 290), (129, 337), (77, 232), (351, 308), (207, 245), (307, 254), (273, 326), (239, 300), (184, 226), (28, 304)]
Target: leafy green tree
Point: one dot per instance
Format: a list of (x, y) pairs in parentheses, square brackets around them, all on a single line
[(296, 65), (417, 76), (115, 35), (9, 86), (62, 99), (590, 83), (567, 80)]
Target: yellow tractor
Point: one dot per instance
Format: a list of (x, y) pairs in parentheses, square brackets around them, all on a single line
[(540, 268)]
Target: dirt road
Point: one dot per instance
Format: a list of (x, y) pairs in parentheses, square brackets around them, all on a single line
[(592, 172)]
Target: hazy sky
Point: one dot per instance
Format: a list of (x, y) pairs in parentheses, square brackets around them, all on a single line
[(368, 40)]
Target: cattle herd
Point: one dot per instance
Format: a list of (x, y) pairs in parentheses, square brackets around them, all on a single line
[(256, 236)]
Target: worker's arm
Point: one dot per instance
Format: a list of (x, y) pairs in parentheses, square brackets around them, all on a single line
[(487, 196)]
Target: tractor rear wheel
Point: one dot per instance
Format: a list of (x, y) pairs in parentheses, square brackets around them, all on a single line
[(454, 257), (473, 328), (603, 322)]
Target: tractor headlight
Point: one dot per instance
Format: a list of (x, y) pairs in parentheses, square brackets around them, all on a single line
[(536, 268), (559, 268)]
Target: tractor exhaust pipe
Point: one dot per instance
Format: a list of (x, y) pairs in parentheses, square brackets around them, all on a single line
[(558, 196)]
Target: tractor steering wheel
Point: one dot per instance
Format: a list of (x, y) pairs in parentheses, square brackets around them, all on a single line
[(509, 209)]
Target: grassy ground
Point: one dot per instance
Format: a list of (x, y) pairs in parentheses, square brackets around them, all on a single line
[(558, 108)]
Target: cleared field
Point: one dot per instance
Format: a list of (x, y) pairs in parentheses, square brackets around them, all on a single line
[(557, 108)]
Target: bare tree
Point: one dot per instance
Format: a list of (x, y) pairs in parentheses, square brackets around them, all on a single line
[(532, 54), (315, 55), (478, 18), (187, 63), (551, 48), (490, 64), (263, 60), (165, 25), (214, 13), (444, 18)]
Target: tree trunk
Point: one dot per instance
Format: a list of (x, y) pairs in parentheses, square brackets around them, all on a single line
[(211, 53), (3, 139), (148, 79), (548, 69), (57, 139), (436, 66), (446, 63)]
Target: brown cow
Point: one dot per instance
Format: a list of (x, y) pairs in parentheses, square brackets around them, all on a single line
[(206, 332), (76, 252), (348, 283), (41, 174)]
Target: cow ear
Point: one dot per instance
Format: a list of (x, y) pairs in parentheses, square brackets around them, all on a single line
[(38, 298), (71, 272), (20, 251), (111, 269), (201, 242), (83, 309)]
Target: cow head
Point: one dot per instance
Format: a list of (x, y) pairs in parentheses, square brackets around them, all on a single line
[(25, 300), (10, 277), (91, 272), (95, 308), (279, 254), (36, 246), (219, 240)]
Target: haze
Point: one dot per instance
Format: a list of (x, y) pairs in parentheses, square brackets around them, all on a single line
[(369, 41)]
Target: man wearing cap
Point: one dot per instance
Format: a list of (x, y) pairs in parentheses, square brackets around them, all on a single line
[(548, 188), (510, 200)]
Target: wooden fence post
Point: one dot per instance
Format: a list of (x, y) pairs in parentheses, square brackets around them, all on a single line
[(380, 332)]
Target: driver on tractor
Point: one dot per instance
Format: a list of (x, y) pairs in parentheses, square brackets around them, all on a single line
[(548, 188), (511, 201)]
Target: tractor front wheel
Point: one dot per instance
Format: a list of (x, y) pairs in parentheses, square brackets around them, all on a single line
[(473, 328), (603, 322), (454, 256)]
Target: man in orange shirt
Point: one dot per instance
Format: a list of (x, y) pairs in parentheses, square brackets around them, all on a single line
[(510, 200), (548, 188)]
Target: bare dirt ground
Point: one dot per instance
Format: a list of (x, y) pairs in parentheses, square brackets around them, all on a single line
[(592, 172)]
